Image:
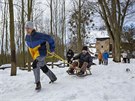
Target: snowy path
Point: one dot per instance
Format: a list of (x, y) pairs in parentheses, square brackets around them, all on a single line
[(108, 83)]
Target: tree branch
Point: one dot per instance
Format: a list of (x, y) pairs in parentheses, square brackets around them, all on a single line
[(124, 13), (119, 12)]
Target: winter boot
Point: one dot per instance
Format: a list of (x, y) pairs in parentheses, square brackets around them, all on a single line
[(70, 71), (38, 86), (53, 80)]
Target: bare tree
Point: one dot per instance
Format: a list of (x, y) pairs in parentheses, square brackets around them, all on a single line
[(51, 16), (63, 25), (79, 20), (29, 7), (79, 28), (113, 13), (3, 31), (23, 33), (6, 32), (127, 37)]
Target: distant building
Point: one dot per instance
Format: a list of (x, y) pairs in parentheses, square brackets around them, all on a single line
[(99, 40), (103, 44)]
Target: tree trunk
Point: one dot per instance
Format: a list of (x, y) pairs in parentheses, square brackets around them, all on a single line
[(117, 43), (79, 29), (63, 26), (12, 42), (51, 21), (23, 33), (56, 23), (6, 47), (30, 2), (3, 32)]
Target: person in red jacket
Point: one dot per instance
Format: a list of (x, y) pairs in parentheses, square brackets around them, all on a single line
[(100, 58)]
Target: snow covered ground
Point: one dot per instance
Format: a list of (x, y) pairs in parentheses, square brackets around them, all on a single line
[(108, 83)]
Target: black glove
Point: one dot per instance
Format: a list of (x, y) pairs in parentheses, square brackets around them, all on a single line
[(34, 64)]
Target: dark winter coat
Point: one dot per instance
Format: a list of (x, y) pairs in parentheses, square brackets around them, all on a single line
[(84, 58), (129, 55), (70, 54)]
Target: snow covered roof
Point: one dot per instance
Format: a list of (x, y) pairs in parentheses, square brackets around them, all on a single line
[(100, 34)]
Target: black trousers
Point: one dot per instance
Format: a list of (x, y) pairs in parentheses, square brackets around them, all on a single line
[(125, 60), (69, 61)]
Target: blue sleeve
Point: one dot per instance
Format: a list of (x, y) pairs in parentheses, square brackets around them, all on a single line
[(50, 40)]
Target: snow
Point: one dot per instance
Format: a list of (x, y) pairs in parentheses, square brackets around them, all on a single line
[(57, 63), (107, 83), (5, 66), (93, 50)]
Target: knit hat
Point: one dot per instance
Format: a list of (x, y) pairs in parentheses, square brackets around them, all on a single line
[(29, 24), (85, 48)]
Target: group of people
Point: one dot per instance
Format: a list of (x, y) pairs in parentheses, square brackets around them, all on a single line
[(84, 61), (36, 43), (103, 57), (126, 55)]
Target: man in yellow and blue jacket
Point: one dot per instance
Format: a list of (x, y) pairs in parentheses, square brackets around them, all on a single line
[(36, 43)]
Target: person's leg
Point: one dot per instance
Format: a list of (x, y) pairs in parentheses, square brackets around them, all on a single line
[(103, 61), (124, 60), (68, 61), (106, 62), (49, 73), (36, 71), (99, 62), (45, 69), (128, 60), (72, 68), (83, 68)]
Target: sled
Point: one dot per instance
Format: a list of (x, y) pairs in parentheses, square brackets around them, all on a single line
[(87, 73)]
